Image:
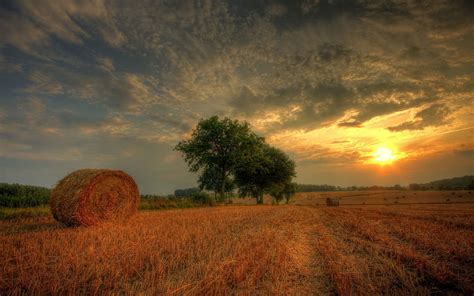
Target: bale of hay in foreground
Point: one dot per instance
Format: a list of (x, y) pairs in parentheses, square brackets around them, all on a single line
[(332, 202), (89, 196)]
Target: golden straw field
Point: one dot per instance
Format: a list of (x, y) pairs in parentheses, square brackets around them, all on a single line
[(304, 249)]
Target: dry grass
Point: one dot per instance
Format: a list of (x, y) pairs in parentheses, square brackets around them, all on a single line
[(398, 255), (389, 197), (301, 250), (196, 251)]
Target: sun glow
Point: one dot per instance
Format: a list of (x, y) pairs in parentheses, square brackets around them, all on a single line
[(383, 156)]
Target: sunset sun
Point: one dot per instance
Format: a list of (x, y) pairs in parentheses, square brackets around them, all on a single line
[(384, 156)]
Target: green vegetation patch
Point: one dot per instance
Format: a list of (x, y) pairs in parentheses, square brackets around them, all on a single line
[(23, 196), (18, 213)]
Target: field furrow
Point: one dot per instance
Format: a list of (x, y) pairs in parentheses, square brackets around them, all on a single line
[(434, 272)]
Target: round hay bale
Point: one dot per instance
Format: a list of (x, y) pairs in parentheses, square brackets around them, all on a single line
[(90, 196), (332, 202)]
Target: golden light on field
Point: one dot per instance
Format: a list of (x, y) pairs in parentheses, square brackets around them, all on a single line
[(384, 156)]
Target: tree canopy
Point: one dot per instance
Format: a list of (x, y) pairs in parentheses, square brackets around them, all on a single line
[(268, 170), (215, 149), (227, 155)]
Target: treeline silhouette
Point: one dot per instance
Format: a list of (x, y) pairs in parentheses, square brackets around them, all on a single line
[(326, 187), (314, 187), (457, 183)]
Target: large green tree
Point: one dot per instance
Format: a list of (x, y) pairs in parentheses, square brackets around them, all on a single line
[(216, 148), (264, 170)]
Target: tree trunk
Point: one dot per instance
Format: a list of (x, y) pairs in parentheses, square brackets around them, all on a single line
[(260, 199), (222, 189)]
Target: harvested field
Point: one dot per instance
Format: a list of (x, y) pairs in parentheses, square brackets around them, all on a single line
[(303, 250), (388, 197)]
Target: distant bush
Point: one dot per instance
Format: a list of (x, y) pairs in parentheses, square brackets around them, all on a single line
[(155, 202), (202, 198), (316, 188), (18, 213), (186, 192), (21, 196), (159, 203)]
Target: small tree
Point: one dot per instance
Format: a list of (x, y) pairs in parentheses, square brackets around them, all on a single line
[(283, 191), (263, 172), (202, 198), (215, 149), (276, 192), (289, 190)]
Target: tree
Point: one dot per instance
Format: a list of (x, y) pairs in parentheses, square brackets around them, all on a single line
[(208, 180), (264, 171), (289, 190), (276, 192), (470, 186), (282, 191), (215, 149)]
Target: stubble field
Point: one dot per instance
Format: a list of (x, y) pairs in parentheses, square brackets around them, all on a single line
[(304, 249)]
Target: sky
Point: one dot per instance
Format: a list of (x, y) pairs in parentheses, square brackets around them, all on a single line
[(116, 84)]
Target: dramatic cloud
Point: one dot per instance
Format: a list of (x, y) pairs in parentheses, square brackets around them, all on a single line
[(434, 115), (325, 80)]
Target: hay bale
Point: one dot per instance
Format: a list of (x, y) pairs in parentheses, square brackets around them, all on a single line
[(332, 202), (87, 197)]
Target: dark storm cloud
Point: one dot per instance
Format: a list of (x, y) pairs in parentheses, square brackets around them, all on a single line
[(210, 50)]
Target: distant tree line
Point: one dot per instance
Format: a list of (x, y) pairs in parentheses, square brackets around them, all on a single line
[(316, 188), (325, 187), (458, 183), (374, 188), (20, 196), (186, 192), (228, 156)]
